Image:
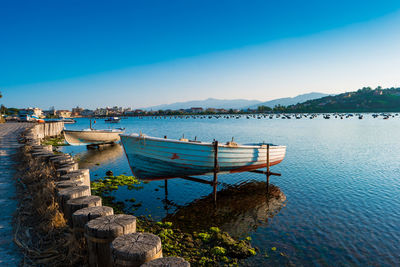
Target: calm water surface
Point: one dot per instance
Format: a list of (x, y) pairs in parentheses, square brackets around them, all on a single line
[(339, 200)]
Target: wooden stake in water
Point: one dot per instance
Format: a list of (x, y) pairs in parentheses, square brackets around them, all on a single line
[(215, 181), (268, 173)]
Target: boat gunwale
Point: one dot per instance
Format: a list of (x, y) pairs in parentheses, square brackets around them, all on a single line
[(223, 153)]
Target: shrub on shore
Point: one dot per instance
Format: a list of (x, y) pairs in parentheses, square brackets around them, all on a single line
[(41, 230)]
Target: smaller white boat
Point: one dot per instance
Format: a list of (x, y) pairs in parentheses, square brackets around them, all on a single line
[(113, 120), (91, 136), (67, 120)]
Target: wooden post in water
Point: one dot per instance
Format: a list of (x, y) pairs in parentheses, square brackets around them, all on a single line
[(65, 184), (72, 192), (135, 249), (215, 181), (82, 175), (166, 196), (82, 216), (268, 173), (80, 203), (101, 231)]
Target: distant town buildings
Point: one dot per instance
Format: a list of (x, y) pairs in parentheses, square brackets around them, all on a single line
[(196, 110), (87, 113), (51, 112), (63, 113), (76, 112), (101, 112)]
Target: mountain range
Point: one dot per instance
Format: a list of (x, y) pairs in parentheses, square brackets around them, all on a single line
[(207, 103), (237, 103)]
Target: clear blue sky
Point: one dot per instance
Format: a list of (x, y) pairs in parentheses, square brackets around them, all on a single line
[(142, 53)]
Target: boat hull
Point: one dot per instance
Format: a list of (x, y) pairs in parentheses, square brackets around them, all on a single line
[(156, 158), (94, 137), (69, 121)]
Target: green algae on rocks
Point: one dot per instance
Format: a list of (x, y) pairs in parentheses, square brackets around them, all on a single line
[(54, 141), (209, 248), (104, 187)]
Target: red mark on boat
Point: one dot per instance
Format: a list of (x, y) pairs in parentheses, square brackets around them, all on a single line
[(175, 156)]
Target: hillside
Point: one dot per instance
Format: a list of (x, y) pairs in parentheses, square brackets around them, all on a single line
[(363, 100), (289, 100)]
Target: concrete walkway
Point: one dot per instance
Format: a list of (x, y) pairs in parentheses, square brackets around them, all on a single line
[(9, 132)]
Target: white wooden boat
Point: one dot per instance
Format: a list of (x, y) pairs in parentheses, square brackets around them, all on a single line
[(157, 158), (91, 136)]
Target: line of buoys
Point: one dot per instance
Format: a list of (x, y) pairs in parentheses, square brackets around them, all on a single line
[(274, 115)]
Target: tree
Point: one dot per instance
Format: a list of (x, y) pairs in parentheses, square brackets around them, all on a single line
[(263, 109), (279, 108)]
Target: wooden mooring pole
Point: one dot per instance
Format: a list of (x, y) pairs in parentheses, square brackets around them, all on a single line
[(166, 196), (135, 249), (216, 169), (101, 231), (268, 172)]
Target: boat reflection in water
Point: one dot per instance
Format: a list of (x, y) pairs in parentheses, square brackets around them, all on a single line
[(93, 157), (239, 210)]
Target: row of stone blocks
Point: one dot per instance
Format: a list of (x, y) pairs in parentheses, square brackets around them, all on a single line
[(111, 239)]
